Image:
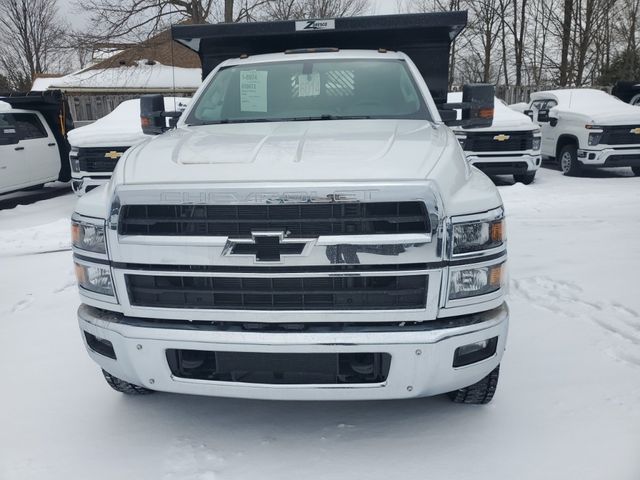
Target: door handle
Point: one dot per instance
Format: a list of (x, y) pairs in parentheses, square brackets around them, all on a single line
[(51, 144), (19, 148)]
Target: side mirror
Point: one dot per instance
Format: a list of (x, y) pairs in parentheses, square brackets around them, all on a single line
[(480, 97), (152, 115), (529, 113), (543, 115)]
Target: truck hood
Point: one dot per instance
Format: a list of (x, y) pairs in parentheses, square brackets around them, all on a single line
[(335, 150), (622, 116)]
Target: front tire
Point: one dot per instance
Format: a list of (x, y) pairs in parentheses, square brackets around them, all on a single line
[(569, 163), (636, 171), (526, 178), (479, 393), (125, 387)]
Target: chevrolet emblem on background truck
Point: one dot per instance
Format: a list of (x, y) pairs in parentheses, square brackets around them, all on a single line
[(635, 130), (502, 137), (113, 155)]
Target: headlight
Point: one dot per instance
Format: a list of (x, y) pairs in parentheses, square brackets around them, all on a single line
[(476, 236), (535, 145), (470, 282), (74, 160), (88, 236), (94, 278), (594, 138)]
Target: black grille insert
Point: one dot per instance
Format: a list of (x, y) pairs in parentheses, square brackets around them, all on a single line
[(487, 142), (620, 135), (305, 220), (251, 293), (280, 368), (99, 160)]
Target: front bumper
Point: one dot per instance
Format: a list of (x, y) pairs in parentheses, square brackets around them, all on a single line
[(82, 185), (610, 157), (421, 357), (503, 164)]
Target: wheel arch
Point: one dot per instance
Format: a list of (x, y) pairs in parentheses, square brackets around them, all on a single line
[(564, 140)]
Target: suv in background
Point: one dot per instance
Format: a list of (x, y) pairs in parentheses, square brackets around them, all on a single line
[(587, 128), (510, 146)]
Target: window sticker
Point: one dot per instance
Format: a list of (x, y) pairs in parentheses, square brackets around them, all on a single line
[(253, 91), (9, 130), (309, 85)]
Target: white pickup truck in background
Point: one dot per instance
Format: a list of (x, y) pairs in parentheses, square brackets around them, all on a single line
[(587, 128), (29, 151), (97, 147), (510, 146)]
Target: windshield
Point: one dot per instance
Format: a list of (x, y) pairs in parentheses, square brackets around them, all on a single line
[(310, 90)]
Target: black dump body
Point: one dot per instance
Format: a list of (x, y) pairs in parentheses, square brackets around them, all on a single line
[(424, 37), (54, 108)]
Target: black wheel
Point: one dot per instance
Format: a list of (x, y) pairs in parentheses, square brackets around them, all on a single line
[(125, 387), (569, 163), (636, 171), (526, 178), (635, 100), (479, 393), (35, 187)]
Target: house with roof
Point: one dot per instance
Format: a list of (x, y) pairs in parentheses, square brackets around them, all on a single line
[(157, 65)]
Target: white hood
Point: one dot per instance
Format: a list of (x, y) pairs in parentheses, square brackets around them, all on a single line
[(335, 150), (504, 118), (121, 127)]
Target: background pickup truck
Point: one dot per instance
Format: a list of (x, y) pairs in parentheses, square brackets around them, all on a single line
[(510, 146), (33, 146), (587, 128), (97, 147)]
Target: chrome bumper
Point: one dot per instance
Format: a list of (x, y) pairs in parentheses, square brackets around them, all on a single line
[(533, 161), (624, 157), (421, 363)]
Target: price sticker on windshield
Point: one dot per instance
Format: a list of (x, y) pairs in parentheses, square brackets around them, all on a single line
[(253, 91)]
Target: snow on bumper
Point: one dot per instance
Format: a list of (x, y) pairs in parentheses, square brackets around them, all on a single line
[(82, 185), (421, 359), (501, 164)]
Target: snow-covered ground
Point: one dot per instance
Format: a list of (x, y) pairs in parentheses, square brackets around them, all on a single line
[(567, 406)]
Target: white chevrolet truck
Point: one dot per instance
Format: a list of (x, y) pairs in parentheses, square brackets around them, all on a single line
[(97, 147), (587, 128), (309, 230), (510, 146)]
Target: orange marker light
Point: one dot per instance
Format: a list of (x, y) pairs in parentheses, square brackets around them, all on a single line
[(75, 234)]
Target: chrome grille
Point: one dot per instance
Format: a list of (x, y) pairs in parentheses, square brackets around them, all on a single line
[(296, 220)]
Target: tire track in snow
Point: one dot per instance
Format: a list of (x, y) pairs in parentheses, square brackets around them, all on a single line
[(567, 299), (188, 460)]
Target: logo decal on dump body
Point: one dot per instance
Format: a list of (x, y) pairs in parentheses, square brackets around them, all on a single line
[(502, 137), (316, 25), (113, 155), (266, 246)]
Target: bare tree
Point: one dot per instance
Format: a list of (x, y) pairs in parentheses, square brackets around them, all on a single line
[(291, 9), (31, 40)]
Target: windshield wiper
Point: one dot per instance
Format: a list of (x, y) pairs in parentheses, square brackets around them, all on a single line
[(291, 119)]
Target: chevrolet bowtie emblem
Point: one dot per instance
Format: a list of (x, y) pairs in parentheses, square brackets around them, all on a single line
[(635, 130), (113, 155), (266, 246), (502, 137)]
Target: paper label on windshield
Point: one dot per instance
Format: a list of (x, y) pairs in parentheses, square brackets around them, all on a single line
[(309, 85), (9, 130), (253, 91)]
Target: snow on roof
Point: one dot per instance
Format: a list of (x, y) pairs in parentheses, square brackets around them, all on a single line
[(43, 83), (586, 101), (503, 116), (140, 76), (121, 127)]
